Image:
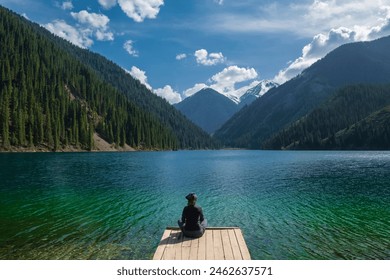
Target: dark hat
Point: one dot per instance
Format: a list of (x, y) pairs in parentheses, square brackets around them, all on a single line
[(191, 196)]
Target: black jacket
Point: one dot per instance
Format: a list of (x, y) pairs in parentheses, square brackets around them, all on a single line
[(191, 215)]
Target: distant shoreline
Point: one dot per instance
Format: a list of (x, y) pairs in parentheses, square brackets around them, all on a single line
[(100, 145), (62, 150)]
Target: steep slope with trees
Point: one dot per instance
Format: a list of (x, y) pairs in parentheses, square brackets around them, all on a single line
[(49, 98), (371, 133), (354, 118), (364, 62), (189, 136)]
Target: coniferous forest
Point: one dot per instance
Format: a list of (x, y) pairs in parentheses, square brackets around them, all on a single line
[(355, 117), (51, 99)]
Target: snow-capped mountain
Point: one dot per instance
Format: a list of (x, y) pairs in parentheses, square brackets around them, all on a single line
[(251, 94), (210, 109), (234, 98)]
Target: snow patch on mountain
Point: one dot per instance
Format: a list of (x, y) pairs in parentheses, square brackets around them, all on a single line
[(260, 89)]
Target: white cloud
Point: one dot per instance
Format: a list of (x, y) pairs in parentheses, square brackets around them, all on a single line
[(226, 80), (181, 56), (104, 36), (204, 58), (323, 44), (169, 94), (166, 92), (95, 23), (240, 91), (219, 2), (304, 19), (128, 46), (193, 90), (138, 10), (62, 29), (107, 4), (331, 13), (67, 5), (140, 75), (92, 19)]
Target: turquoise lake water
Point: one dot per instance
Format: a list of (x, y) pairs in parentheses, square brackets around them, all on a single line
[(290, 205)]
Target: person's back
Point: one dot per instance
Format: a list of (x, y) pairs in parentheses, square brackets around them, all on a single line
[(191, 216)]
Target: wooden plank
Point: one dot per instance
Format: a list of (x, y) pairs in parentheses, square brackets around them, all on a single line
[(241, 242), (209, 244), (218, 249), (194, 249), (178, 255), (227, 248), (235, 246), (202, 247), (170, 251), (186, 248), (161, 246)]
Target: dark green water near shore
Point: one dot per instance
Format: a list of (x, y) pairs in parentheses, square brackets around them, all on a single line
[(290, 205)]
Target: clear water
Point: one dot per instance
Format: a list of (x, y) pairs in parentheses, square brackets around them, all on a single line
[(290, 205)]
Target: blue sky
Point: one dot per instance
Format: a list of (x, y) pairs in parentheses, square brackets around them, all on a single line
[(176, 47)]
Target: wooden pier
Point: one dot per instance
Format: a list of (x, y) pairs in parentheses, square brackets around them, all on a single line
[(217, 243)]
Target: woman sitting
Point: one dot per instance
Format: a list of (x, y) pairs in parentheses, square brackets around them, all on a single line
[(192, 223)]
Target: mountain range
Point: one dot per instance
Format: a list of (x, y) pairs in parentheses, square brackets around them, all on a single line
[(210, 109), (355, 63), (56, 96)]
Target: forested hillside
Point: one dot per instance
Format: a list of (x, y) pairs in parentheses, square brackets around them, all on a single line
[(49, 99), (189, 136), (355, 63), (356, 117)]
